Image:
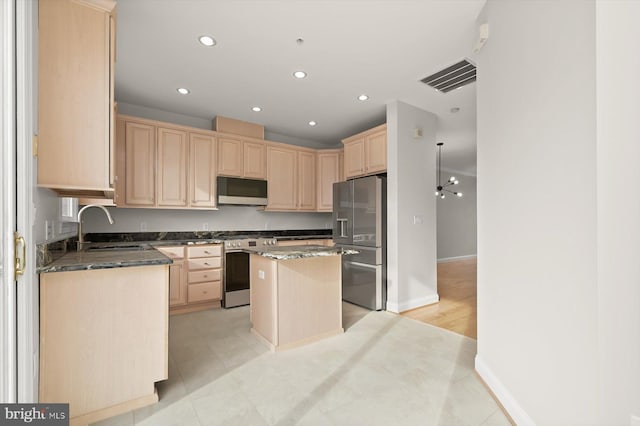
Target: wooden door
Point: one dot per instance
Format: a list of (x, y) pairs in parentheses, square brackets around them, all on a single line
[(306, 180), (230, 156), (140, 164), (255, 160), (172, 168), (328, 174), (376, 152), (354, 158), (202, 170), (281, 177)]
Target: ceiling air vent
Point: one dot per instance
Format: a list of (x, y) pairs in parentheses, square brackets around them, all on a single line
[(458, 75)]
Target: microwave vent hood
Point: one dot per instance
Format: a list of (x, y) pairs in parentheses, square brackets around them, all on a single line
[(241, 192)]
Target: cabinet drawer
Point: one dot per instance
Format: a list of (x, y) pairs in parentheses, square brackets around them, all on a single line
[(204, 275), (206, 251), (205, 263), (204, 291), (172, 252)]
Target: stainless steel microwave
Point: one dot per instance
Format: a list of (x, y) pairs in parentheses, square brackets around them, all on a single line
[(238, 191)]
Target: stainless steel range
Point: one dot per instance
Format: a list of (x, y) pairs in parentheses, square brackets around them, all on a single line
[(236, 269)]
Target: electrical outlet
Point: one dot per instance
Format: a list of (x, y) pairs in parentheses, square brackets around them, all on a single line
[(261, 274), (417, 220), (143, 226), (49, 229), (205, 226)]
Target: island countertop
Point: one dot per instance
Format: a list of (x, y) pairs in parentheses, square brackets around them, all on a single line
[(298, 252), (143, 255)]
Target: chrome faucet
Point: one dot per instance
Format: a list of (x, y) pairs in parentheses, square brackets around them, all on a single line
[(80, 236)]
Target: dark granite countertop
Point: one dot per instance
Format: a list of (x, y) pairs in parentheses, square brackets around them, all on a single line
[(205, 237), (61, 255), (299, 252), (126, 256)]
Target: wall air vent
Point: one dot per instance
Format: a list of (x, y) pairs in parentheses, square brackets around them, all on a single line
[(458, 75)]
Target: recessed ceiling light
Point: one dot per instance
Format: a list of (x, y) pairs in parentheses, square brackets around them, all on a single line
[(206, 40), (312, 123), (183, 91), (363, 97), (299, 74), (256, 109)]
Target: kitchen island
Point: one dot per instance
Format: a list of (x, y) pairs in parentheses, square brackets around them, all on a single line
[(296, 294)]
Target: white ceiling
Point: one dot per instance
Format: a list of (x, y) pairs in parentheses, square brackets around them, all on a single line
[(378, 47)]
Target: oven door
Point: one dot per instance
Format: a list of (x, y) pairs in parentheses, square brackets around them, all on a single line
[(236, 279)]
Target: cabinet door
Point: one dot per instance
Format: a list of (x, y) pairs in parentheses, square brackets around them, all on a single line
[(177, 284), (328, 173), (376, 152), (281, 177), (306, 181), (74, 110), (202, 171), (255, 160), (140, 164), (354, 158), (230, 157), (172, 168)]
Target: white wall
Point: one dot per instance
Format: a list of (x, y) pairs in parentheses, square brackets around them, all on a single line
[(618, 210), (457, 219), (227, 218), (537, 229), (411, 247)]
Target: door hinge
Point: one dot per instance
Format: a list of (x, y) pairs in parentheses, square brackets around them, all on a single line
[(20, 262), (35, 145)]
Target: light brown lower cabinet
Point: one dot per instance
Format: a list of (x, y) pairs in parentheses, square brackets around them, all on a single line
[(103, 339), (295, 301), (196, 281)]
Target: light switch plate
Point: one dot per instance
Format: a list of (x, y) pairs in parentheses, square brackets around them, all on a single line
[(261, 274)]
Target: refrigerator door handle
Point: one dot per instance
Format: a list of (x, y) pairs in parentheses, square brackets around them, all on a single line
[(342, 222), (363, 265)]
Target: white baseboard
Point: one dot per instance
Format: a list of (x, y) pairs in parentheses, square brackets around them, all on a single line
[(517, 413), (398, 307), (453, 259)]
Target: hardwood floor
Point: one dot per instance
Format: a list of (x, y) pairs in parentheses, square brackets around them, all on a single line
[(457, 309)]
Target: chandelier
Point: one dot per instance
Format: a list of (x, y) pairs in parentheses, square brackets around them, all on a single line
[(441, 189)]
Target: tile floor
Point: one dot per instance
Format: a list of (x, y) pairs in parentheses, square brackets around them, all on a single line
[(384, 370)]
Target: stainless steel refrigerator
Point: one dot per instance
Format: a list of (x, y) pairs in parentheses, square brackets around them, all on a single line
[(360, 222)]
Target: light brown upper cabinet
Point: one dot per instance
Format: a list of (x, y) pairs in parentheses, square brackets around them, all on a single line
[(291, 177), (172, 168), (241, 157), (202, 170), (75, 96), (282, 174), (139, 147), (160, 165), (329, 168), (306, 180), (366, 153)]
